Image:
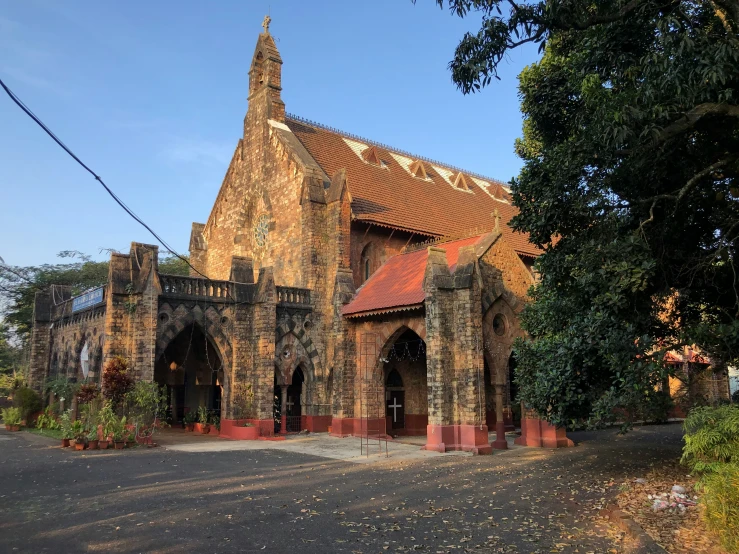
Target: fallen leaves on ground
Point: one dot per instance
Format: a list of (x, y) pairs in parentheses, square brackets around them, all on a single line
[(678, 533)]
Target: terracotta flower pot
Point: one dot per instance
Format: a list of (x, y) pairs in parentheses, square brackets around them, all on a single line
[(103, 445), (93, 444), (189, 427), (119, 445), (205, 429), (79, 445), (65, 443), (12, 427)]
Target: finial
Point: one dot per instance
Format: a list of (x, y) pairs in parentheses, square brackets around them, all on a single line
[(496, 216), (266, 22)]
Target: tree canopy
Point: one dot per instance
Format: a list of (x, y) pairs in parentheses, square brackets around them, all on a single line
[(631, 152)]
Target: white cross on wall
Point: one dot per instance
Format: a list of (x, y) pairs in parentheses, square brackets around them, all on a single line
[(395, 407), (290, 405)]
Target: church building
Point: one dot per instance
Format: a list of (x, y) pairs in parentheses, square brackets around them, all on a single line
[(339, 285)]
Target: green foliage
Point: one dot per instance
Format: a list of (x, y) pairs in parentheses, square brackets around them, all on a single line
[(107, 418), (172, 265), (146, 402), (11, 416), (47, 420), (190, 417), (116, 381), (65, 422), (711, 438), (27, 400), (78, 431), (721, 501), (118, 429), (629, 185), (203, 415), (62, 388)]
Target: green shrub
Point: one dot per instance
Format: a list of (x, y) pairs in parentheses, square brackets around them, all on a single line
[(47, 420), (11, 416), (721, 502), (27, 401), (711, 438)]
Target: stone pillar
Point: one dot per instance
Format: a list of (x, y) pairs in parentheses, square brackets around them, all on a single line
[(40, 341), (261, 347), (454, 355), (500, 442)]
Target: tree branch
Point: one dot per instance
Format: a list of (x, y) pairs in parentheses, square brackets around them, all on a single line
[(692, 117)]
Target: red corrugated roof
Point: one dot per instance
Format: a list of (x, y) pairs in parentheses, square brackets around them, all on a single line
[(390, 195), (399, 281)]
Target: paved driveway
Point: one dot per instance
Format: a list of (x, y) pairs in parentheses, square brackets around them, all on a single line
[(281, 500)]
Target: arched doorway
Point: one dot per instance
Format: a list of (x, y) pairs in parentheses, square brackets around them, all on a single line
[(191, 368), (294, 402), (406, 386), (396, 400), (288, 402)]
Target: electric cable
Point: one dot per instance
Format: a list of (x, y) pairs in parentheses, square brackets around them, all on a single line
[(128, 210)]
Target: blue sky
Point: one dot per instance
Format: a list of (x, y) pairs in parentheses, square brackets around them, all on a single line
[(152, 96)]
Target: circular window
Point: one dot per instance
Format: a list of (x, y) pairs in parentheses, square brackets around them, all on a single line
[(499, 324), (224, 320), (164, 318), (261, 230)]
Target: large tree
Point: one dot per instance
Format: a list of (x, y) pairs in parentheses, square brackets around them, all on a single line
[(630, 148)]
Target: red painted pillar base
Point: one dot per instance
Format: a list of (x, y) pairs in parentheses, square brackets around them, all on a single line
[(537, 432), (500, 442), (470, 438), (375, 427), (316, 424)]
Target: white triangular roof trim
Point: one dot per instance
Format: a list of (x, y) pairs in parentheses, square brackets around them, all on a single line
[(404, 162), (357, 147), (445, 173), (488, 188)]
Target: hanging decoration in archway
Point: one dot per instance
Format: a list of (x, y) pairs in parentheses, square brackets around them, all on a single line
[(405, 351)]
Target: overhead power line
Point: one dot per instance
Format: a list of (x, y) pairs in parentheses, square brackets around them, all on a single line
[(120, 202)]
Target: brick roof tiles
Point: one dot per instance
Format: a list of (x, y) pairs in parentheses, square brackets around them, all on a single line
[(388, 194), (398, 282)]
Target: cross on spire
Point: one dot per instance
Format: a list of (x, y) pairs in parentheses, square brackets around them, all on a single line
[(265, 23), (496, 216)]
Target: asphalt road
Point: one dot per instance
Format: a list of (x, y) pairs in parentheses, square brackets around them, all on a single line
[(158, 500)]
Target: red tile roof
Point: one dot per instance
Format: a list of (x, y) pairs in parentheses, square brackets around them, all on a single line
[(389, 195), (399, 281)]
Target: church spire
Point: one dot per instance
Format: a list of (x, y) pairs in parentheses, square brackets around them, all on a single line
[(265, 76)]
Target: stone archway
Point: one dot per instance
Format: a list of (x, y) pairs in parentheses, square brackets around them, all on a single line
[(191, 367), (405, 383)]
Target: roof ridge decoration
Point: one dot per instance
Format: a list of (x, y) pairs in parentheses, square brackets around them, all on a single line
[(446, 238), (391, 149)]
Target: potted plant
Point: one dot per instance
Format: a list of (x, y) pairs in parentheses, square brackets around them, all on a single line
[(65, 422), (120, 433), (106, 420), (80, 435), (189, 420), (12, 419), (92, 437), (203, 420)]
